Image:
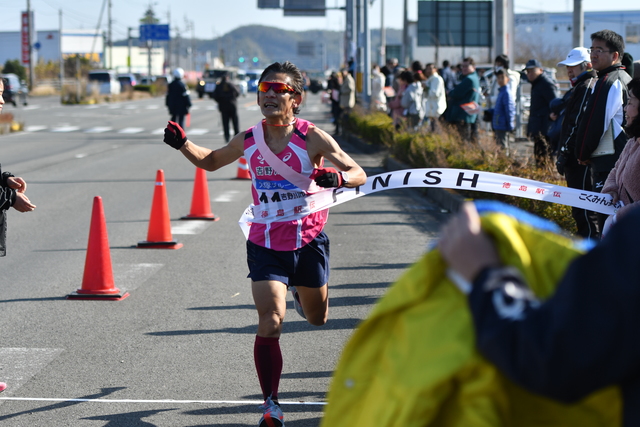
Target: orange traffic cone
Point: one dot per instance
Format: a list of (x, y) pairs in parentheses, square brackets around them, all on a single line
[(200, 204), (97, 282), (159, 234), (243, 169)]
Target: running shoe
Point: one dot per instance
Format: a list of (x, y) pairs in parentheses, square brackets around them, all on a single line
[(272, 416), (296, 301), (2, 387)]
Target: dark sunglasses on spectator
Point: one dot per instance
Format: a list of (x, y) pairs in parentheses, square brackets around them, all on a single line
[(276, 86)]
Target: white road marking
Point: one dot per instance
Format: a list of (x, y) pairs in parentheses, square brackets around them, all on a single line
[(131, 130), (228, 196), (19, 365), (152, 107), (34, 128), (31, 107), (81, 155), (159, 131), (130, 107), (196, 131), (98, 129), (128, 277), (170, 401), (65, 129), (189, 227), (91, 107)]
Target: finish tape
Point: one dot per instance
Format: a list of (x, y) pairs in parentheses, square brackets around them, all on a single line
[(288, 206)]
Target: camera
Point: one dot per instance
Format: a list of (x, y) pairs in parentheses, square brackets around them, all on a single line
[(561, 161)]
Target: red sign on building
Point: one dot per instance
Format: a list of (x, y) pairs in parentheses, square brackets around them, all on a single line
[(25, 38)]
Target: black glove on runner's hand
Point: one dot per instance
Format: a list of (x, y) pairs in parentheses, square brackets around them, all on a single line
[(327, 177), (174, 135)]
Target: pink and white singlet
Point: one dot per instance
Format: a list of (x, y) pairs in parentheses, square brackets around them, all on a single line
[(270, 187)]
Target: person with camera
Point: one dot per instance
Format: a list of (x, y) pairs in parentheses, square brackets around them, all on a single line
[(623, 182), (583, 78)]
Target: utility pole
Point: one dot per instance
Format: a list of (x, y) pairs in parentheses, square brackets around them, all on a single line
[(110, 39), (383, 36), (32, 73), (129, 41), (405, 36), (578, 23), (366, 39), (61, 54), (502, 27)]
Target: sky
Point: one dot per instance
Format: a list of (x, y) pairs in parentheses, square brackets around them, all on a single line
[(207, 19)]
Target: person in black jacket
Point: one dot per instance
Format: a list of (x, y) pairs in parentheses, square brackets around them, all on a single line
[(583, 78), (601, 137), (178, 100), (226, 95), (543, 91), (581, 339), (11, 195)]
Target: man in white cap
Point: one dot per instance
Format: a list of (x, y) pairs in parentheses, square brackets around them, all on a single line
[(583, 78), (178, 100)]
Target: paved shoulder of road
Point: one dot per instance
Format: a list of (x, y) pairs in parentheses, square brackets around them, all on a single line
[(179, 350)]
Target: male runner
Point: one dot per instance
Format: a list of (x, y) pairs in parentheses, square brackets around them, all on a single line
[(281, 255)]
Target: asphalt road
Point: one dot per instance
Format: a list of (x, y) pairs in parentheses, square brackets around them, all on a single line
[(179, 350)]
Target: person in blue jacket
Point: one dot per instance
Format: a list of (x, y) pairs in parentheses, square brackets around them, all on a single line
[(504, 112), (581, 339)]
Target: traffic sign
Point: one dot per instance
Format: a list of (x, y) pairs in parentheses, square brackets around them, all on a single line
[(154, 32)]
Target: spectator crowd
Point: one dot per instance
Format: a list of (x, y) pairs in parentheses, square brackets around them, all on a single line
[(583, 131)]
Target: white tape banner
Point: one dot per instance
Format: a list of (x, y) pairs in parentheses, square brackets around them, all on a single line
[(287, 207)]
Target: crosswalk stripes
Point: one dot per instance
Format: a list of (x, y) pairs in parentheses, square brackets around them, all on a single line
[(65, 129), (104, 129), (98, 129), (131, 130), (34, 128)]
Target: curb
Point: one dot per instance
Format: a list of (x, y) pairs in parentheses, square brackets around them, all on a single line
[(445, 198)]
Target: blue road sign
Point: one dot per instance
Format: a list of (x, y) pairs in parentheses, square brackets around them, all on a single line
[(154, 32)]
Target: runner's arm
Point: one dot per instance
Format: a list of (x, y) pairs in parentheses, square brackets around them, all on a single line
[(211, 160), (321, 144)]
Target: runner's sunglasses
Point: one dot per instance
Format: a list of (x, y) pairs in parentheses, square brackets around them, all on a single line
[(276, 86)]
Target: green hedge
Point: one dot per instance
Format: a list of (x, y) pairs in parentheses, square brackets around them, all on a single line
[(446, 150)]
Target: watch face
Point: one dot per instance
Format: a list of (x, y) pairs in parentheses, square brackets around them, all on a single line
[(345, 177)]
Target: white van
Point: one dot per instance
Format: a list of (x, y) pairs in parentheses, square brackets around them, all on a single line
[(104, 82)]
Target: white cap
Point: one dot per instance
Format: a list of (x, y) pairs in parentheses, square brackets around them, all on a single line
[(178, 73), (577, 56)]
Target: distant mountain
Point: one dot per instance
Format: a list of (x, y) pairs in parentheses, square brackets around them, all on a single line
[(270, 44)]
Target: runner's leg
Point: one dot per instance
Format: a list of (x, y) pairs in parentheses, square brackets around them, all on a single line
[(315, 303), (269, 297)]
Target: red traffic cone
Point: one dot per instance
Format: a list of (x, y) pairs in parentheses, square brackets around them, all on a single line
[(243, 169), (159, 234), (97, 282), (200, 204)]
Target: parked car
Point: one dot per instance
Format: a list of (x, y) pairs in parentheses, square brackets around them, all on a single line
[(252, 80), (14, 89), (318, 82), (104, 82), (127, 81), (242, 82), (211, 77)]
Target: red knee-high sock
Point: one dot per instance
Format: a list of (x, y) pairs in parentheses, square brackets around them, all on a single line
[(268, 359)]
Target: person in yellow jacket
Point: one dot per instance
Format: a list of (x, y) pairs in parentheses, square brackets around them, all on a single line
[(414, 361)]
